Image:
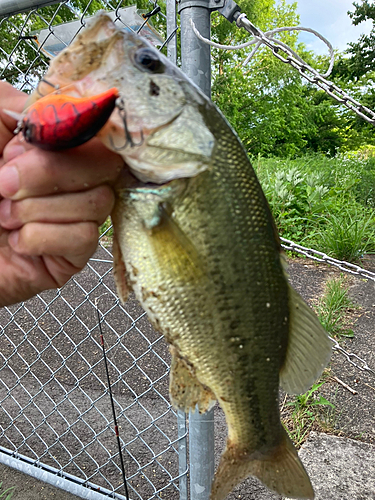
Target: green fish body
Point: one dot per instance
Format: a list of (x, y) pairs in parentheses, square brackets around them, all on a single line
[(195, 240)]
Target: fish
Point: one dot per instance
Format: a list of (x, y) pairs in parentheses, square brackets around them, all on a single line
[(195, 240)]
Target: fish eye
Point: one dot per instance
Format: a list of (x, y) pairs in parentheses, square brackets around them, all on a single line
[(147, 60)]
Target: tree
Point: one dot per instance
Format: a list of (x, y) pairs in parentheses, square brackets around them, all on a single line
[(362, 52), (267, 103), (355, 72)]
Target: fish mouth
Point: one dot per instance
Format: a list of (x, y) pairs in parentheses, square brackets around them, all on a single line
[(120, 104), (129, 141)]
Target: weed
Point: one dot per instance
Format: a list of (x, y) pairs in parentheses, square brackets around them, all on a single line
[(6, 494), (304, 413), (348, 235), (328, 203), (333, 306)]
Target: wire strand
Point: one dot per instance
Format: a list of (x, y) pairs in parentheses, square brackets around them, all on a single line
[(112, 402), (257, 41)]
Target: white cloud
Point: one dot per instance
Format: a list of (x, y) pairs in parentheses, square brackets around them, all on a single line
[(330, 18)]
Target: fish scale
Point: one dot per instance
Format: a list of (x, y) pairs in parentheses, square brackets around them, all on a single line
[(195, 239)]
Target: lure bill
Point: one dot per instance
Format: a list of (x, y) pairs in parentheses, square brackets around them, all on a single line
[(196, 242)]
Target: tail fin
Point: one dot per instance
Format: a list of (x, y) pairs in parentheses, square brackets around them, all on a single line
[(280, 470)]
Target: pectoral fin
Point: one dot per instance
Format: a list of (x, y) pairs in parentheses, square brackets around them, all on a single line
[(309, 347), (185, 389), (175, 251)]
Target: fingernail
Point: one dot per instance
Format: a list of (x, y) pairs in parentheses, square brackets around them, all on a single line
[(9, 181), (13, 238), (12, 151), (5, 210)]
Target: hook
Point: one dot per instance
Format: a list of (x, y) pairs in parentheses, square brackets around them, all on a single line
[(128, 138)]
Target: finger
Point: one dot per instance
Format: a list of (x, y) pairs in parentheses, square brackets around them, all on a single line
[(3, 237), (14, 100), (40, 173), (15, 147), (74, 242), (93, 205)]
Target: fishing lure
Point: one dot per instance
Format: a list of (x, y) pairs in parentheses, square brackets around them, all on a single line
[(56, 121)]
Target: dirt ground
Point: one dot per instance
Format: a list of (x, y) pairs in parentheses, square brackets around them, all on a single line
[(354, 414)]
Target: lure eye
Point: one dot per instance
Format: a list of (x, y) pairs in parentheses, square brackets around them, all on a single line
[(28, 132), (147, 60)]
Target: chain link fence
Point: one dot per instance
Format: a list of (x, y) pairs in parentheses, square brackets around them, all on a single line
[(55, 414), (55, 417)]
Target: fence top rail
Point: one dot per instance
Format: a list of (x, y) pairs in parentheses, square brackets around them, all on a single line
[(11, 7)]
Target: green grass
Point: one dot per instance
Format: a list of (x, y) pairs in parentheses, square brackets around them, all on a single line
[(327, 203), (6, 494), (304, 413), (333, 307), (348, 235)]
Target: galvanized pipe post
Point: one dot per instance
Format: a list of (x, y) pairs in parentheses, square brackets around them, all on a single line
[(196, 55), (171, 28), (196, 64)]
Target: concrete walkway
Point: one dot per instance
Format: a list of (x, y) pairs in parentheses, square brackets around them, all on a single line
[(339, 468)]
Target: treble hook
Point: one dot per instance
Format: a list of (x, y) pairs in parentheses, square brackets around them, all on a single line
[(128, 138)]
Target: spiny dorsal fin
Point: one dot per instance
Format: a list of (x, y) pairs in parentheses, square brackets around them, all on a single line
[(309, 348)]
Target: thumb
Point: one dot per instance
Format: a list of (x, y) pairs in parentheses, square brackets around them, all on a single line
[(14, 100)]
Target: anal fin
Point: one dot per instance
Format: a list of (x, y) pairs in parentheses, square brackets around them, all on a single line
[(185, 389), (309, 347)]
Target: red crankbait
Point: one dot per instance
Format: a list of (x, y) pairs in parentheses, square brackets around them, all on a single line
[(58, 121)]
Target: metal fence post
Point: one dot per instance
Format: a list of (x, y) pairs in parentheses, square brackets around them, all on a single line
[(196, 64), (196, 55), (171, 28)]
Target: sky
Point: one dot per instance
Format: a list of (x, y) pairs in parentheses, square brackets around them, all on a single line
[(330, 18)]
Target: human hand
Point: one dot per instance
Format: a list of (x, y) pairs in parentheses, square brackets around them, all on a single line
[(51, 204)]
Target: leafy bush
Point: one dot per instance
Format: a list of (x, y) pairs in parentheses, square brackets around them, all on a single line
[(325, 202)]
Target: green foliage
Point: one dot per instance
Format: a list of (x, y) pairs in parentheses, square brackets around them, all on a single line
[(273, 110), (327, 203), (363, 51), (106, 230), (264, 101), (348, 235), (333, 306), (304, 414)]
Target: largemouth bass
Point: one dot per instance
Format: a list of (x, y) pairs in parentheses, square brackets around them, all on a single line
[(195, 240)]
